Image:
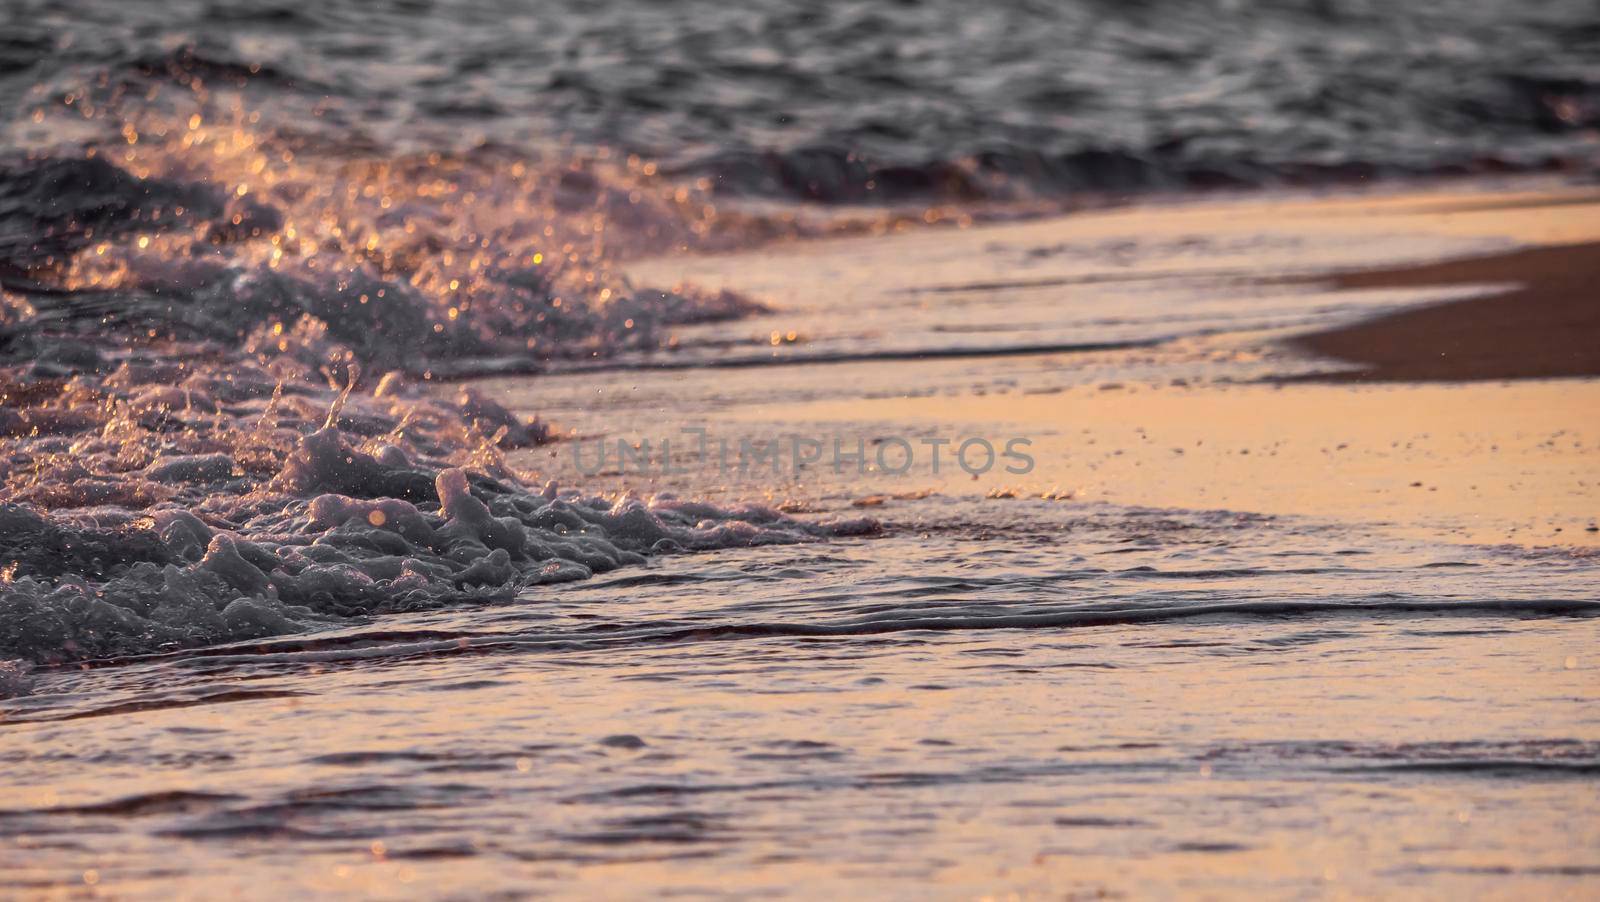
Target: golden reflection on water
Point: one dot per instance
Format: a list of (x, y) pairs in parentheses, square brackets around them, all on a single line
[(1138, 766), (1495, 463)]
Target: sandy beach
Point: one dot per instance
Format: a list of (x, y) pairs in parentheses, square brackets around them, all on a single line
[(1540, 329)]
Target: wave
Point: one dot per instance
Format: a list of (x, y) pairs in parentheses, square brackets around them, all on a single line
[(837, 175), (857, 102), (215, 355), (364, 645)]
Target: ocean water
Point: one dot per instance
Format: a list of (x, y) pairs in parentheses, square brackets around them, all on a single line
[(861, 101), (283, 607), (1035, 697), (987, 694)]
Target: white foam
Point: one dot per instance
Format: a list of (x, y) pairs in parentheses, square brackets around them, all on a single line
[(249, 518)]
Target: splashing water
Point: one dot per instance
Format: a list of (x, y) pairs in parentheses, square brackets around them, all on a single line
[(165, 506), (192, 455)]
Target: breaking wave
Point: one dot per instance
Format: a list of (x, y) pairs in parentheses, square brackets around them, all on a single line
[(193, 452), (217, 344), (868, 102)]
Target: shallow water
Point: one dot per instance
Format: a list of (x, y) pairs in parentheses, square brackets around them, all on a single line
[(995, 694), (999, 695)]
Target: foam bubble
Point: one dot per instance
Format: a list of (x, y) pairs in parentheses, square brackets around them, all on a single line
[(149, 522)]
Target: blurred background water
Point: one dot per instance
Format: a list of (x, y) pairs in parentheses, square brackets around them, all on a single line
[(856, 101)]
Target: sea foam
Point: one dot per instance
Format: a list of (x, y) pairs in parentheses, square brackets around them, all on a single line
[(192, 454), (139, 525)]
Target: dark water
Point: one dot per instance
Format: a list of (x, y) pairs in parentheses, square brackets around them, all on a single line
[(861, 101)]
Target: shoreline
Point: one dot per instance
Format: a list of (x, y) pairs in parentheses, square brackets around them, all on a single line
[(1250, 418), (1438, 196)]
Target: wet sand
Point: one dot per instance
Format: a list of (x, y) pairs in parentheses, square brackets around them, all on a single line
[(1484, 463), (1490, 464), (1256, 414), (1547, 325)]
